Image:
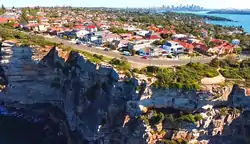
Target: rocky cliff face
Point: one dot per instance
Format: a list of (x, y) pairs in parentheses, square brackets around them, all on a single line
[(100, 108), (91, 96)]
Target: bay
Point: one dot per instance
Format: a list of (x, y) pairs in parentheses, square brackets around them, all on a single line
[(241, 20)]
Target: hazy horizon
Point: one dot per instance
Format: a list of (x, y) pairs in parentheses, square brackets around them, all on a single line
[(210, 4)]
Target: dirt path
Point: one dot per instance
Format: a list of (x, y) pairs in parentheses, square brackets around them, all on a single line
[(215, 80)]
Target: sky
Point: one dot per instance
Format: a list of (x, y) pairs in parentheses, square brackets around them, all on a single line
[(239, 4)]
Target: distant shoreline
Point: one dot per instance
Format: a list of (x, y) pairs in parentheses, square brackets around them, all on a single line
[(229, 12), (204, 16)]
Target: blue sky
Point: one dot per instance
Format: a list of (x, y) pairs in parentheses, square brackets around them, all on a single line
[(129, 3)]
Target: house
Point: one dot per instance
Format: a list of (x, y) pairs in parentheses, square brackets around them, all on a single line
[(204, 33), (235, 42), (139, 45), (202, 48), (79, 27), (3, 20), (130, 28), (44, 20), (123, 43), (217, 41), (81, 33), (42, 28), (150, 51), (126, 36), (152, 37), (103, 26), (91, 28), (187, 47), (178, 36), (110, 37), (142, 33), (224, 48), (192, 40), (96, 39), (137, 38), (173, 47)]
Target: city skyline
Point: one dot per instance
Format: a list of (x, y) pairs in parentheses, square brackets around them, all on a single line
[(239, 4)]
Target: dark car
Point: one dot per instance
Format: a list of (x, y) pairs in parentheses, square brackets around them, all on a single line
[(106, 49)]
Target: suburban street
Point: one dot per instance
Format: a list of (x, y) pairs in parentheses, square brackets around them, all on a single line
[(138, 61)]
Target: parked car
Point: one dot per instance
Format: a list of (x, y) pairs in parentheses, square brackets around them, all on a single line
[(126, 53), (78, 42), (144, 57), (106, 49)]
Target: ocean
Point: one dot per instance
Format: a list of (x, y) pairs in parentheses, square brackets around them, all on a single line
[(242, 20)]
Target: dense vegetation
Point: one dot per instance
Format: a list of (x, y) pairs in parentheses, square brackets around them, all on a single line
[(153, 118), (120, 64), (117, 30), (187, 76), (231, 68), (2, 10)]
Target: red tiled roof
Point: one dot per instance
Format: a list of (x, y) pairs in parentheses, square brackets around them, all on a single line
[(91, 26), (3, 20), (154, 37), (228, 47), (202, 47), (78, 27), (186, 45), (218, 41), (30, 17), (16, 25)]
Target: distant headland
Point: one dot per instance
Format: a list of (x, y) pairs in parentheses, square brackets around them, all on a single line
[(239, 12)]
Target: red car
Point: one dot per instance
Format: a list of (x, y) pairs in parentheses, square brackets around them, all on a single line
[(144, 57)]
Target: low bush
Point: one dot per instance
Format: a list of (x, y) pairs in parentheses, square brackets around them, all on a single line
[(187, 76), (120, 64)]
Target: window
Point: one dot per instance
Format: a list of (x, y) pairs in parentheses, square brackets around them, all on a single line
[(168, 44), (179, 49)]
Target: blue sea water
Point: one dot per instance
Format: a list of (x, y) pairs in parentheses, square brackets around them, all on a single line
[(241, 20)]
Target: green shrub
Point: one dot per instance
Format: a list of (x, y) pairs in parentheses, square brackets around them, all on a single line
[(157, 118), (215, 62), (198, 117), (128, 74), (120, 64), (135, 70), (169, 56)]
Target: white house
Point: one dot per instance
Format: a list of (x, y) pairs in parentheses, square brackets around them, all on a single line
[(139, 45), (42, 28), (172, 47), (142, 33), (81, 33), (178, 36)]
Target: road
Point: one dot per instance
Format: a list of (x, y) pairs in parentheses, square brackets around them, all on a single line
[(132, 59)]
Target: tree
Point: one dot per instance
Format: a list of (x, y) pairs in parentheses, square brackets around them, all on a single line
[(3, 8), (68, 25), (23, 18)]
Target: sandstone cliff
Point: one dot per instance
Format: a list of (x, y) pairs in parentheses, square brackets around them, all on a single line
[(101, 108)]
